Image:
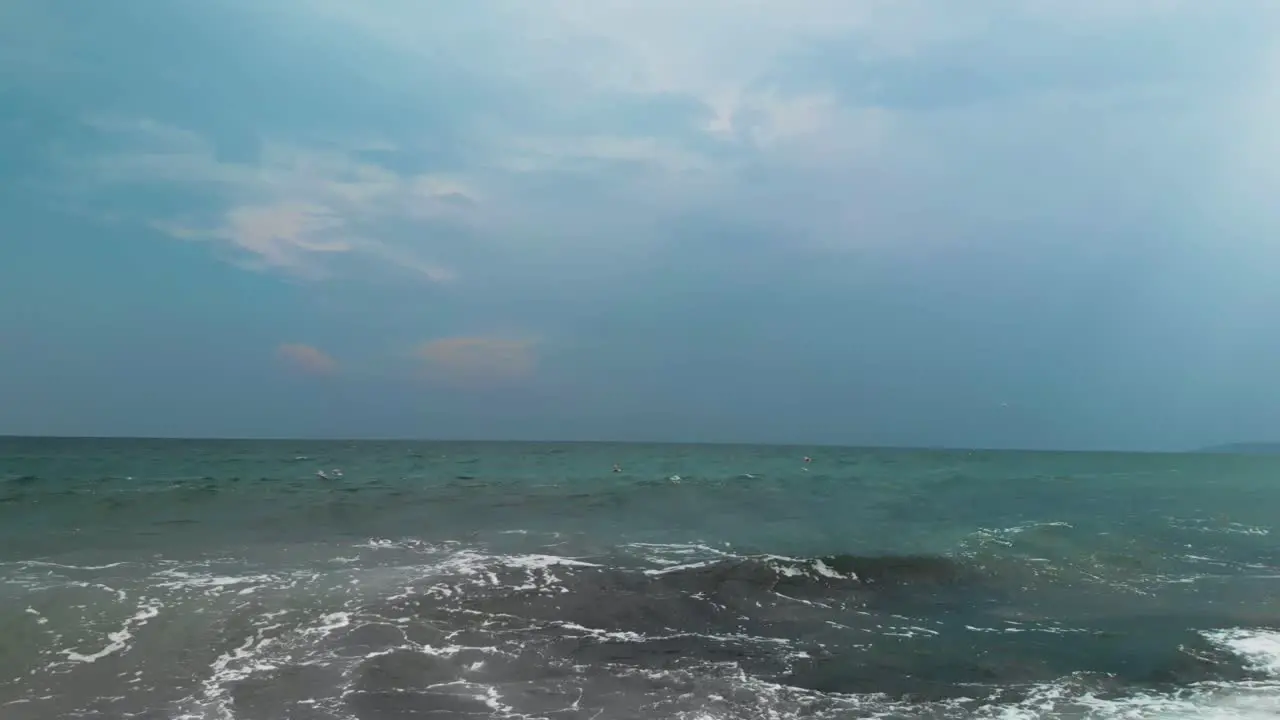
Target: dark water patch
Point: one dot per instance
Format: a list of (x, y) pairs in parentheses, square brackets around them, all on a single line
[(196, 494), (950, 664), (370, 637), (404, 670), (284, 692), (407, 684), (910, 627)]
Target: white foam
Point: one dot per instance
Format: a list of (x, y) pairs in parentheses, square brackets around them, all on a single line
[(658, 553), (682, 566), (1067, 699), (479, 568), (180, 579), (329, 623), (1256, 700), (797, 567), (1004, 536), (119, 640), (42, 563), (238, 663), (1217, 526), (627, 636), (825, 570), (1260, 649), (1016, 627), (543, 561)]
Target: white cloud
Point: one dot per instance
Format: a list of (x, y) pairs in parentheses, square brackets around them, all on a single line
[(729, 55), (773, 144), (282, 235), (724, 54), (292, 206)]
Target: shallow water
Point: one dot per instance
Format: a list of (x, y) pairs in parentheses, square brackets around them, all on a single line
[(176, 579)]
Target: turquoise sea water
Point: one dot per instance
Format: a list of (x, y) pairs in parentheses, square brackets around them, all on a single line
[(371, 580)]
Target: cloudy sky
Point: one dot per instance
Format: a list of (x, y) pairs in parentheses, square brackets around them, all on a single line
[(1013, 223)]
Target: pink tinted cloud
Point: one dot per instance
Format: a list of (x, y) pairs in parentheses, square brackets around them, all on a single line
[(474, 361), (307, 359)]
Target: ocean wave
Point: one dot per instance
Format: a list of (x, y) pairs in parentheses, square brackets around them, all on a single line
[(405, 627)]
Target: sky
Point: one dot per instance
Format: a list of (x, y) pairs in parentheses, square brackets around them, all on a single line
[(998, 223)]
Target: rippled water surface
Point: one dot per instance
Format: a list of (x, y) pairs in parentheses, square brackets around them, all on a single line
[(379, 580)]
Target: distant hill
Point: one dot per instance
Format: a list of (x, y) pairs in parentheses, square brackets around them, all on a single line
[(1244, 449)]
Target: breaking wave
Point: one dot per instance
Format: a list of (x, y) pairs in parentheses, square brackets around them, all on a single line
[(393, 629)]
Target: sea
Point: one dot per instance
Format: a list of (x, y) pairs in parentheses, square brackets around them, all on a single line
[(308, 580)]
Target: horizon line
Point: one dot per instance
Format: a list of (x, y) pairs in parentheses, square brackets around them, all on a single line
[(562, 441)]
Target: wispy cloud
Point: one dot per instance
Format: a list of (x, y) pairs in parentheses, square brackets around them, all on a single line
[(306, 358), (607, 119), (289, 208)]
